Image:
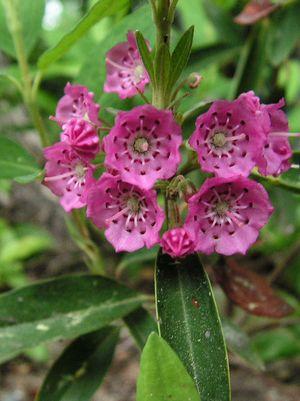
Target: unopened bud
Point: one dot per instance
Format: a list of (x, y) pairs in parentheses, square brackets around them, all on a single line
[(195, 80)]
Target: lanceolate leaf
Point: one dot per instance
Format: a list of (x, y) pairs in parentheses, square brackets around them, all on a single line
[(163, 376), (79, 371), (145, 54), (103, 8), (190, 323), (162, 66), (16, 163), (141, 324), (60, 308), (180, 55)]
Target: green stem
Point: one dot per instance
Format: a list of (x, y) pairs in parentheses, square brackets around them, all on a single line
[(27, 92), (163, 17), (192, 165), (95, 260), (241, 65), (278, 182)]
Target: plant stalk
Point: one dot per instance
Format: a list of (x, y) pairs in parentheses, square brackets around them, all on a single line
[(15, 28), (29, 89)]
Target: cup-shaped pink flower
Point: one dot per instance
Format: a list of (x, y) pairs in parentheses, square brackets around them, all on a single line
[(67, 175), (276, 153), (228, 137), (226, 215), (274, 158), (79, 103), (177, 243), (126, 74), (130, 215), (144, 145), (82, 137)]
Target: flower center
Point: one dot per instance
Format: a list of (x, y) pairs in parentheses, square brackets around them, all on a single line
[(80, 170), (134, 205), (141, 145), (219, 139), (221, 208), (138, 73)]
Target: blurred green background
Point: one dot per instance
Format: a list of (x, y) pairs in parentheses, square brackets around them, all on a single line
[(262, 56)]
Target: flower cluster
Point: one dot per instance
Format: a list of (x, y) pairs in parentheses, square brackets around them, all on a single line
[(69, 171), (143, 146)]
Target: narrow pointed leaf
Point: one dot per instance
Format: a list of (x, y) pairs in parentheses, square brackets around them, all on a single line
[(162, 66), (16, 163), (145, 54), (103, 8), (190, 323), (180, 55), (80, 369), (60, 308), (141, 324), (163, 376)]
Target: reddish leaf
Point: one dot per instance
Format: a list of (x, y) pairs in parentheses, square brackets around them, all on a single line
[(250, 291), (254, 11)]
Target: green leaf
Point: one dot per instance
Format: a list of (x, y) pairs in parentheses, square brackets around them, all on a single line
[(141, 324), (180, 55), (283, 34), (103, 8), (192, 12), (80, 370), (31, 15), (145, 54), (162, 66), (16, 163), (139, 258), (289, 79), (189, 321), (282, 343), (217, 54), (240, 344), (60, 308), (163, 377), (12, 80), (253, 71)]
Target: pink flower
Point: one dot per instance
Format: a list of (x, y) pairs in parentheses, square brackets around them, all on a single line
[(79, 103), (227, 213), (126, 74), (130, 215), (144, 146), (276, 152), (82, 137), (274, 159), (228, 137), (177, 243), (67, 175)]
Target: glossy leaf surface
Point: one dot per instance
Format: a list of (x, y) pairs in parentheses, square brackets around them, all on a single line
[(190, 323)]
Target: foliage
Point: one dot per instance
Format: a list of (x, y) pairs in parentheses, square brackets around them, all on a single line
[(188, 350)]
